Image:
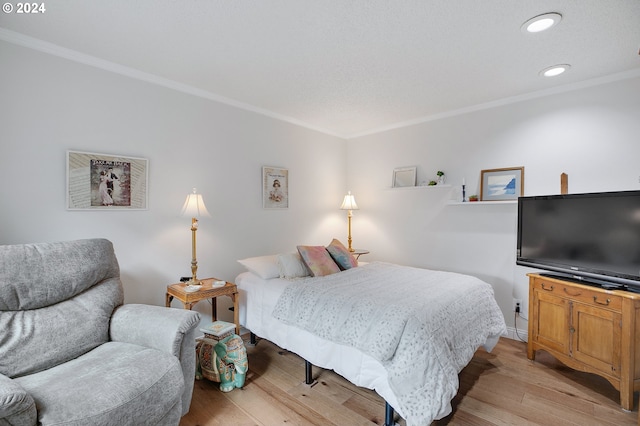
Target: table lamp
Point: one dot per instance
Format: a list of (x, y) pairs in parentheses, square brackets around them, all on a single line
[(194, 208), (349, 203)]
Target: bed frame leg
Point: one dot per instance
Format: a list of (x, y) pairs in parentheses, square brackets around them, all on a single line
[(388, 414), (252, 339), (308, 374)]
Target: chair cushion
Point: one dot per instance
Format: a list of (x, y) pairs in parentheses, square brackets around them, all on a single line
[(33, 276), (62, 331), (116, 383)]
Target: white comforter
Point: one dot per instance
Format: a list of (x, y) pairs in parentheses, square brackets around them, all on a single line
[(423, 326)]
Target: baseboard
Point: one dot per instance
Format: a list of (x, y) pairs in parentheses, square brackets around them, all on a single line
[(517, 334)]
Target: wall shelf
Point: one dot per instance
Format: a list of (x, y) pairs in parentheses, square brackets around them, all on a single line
[(470, 203), (420, 187)]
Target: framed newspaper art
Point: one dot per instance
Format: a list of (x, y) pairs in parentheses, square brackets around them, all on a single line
[(275, 188), (106, 182)]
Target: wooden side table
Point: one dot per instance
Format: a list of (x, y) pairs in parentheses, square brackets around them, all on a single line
[(208, 291)]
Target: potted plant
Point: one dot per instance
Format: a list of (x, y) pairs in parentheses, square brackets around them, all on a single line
[(441, 177), (473, 198)]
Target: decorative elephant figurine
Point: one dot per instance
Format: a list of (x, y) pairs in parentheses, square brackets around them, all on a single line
[(232, 362), (206, 360)]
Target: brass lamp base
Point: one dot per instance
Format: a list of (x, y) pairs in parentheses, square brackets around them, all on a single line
[(194, 263), (349, 215)]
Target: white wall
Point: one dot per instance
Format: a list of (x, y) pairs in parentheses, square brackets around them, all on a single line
[(591, 134), (49, 105)]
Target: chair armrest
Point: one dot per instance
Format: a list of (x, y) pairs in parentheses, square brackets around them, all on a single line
[(17, 407), (166, 329), (153, 326)]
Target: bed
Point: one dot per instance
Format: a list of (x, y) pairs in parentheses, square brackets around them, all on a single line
[(404, 332)]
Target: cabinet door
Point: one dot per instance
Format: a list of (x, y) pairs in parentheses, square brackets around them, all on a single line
[(596, 337), (551, 324)]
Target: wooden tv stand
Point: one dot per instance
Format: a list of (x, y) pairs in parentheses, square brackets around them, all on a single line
[(587, 328)]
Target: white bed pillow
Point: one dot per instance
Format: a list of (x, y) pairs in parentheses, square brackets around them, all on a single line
[(291, 265), (266, 267)]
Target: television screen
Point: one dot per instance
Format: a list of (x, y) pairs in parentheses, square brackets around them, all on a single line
[(593, 237)]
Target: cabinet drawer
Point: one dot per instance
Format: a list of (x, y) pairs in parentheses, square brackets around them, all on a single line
[(580, 293)]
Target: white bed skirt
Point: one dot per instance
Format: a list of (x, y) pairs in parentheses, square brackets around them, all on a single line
[(257, 300), (258, 297)]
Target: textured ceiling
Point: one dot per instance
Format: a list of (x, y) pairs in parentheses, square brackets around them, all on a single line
[(344, 67)]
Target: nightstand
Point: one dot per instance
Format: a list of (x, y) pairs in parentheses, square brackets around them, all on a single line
[(359, 252), (207, 291)]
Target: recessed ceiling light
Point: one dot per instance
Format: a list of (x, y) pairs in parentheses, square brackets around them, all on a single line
[(541, 22), (555, 70)]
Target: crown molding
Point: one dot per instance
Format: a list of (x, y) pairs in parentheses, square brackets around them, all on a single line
[(625, 75), (73, 55)]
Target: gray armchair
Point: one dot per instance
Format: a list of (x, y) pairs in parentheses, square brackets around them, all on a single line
[(72, 354)]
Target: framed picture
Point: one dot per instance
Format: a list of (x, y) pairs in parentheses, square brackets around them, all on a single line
[(275, 188), (106, 182), (501, 184), (404, 176)]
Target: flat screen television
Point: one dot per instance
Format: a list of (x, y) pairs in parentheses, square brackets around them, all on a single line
[(593, 238)]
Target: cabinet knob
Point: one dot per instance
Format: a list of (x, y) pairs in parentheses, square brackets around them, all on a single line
[(550, 288), (605, 303)]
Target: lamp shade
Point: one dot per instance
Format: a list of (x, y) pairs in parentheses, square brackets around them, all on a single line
[(194, 206), (349, 202)]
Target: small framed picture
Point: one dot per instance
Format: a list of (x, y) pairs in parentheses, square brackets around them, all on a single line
[(403, 177), (501, 184), (106, 182), (275, 188)]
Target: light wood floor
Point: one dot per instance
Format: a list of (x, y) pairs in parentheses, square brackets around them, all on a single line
[(498, 388)]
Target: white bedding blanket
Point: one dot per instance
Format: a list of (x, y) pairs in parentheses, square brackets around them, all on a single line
[(423, 326)]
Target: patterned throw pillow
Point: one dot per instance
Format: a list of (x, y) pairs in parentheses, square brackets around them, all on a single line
[(318, 260), (341, 255)]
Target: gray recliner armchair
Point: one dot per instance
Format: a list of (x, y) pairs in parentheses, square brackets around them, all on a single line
[(72, 354)]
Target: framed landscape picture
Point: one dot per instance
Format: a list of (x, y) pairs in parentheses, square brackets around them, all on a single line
[(106, 182), (501, 184)]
